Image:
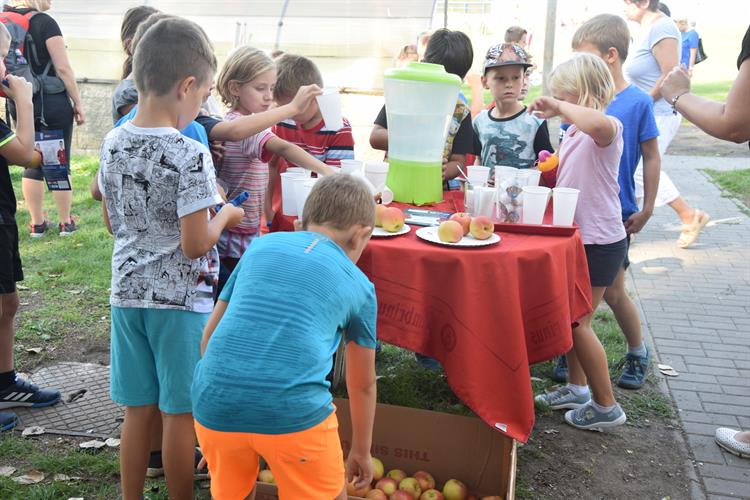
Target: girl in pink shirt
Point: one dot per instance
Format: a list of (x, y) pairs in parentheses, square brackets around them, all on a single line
[(589, 161)]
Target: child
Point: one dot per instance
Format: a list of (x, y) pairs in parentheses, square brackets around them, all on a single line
[(506, 135), (246, 85), (157, 187), (277, 404), (589, 161), (306, 129), (17, 149), (453, 50), (607, 37)]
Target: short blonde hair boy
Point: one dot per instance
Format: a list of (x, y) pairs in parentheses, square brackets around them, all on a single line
[(170, 51), (586, 76), (243, 65), (604, 32), (340, 201), (293, 72)]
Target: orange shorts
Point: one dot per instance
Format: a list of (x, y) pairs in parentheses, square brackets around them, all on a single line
[(307, 464)]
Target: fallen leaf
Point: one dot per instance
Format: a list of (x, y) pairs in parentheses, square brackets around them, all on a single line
[(536, 379), (96, 444), (112, 442), (35, 350), (31, 477), (76, 395), (34, 430), (629, 452), (21, 287), (65, 477), (552, 431), (6, 470)]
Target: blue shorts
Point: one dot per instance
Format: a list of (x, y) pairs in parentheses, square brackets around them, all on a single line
[(153, 353)]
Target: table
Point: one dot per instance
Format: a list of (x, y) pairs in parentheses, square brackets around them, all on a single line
[(485, 313)]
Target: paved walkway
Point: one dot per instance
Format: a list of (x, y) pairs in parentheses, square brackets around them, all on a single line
[(696, 303)]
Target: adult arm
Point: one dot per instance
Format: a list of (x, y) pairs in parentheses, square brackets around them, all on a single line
[(667, 56), (59, 56), (601, 128), (691, 62), (296, 155), (361, 388), (19, 150), (727, 120), (379, 138)]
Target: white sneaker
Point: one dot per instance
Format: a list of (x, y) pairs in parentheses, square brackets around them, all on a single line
[(725, 438)]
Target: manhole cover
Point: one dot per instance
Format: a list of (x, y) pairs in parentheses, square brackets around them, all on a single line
[(85, 409)]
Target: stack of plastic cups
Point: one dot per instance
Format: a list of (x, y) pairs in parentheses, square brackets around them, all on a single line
[(508, 184), (289, 178)]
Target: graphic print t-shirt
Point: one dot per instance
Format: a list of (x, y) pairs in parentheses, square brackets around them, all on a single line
[(150, 177)]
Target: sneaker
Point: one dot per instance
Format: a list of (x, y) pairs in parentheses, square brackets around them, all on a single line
[(24, 393), (726, 438), (38, 230), (560, 371), (587, 417), (156, 467), (69, 228), (562, 398), (635, 371), (8, 420)]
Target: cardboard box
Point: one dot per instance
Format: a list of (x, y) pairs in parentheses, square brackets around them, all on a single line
[(447, 446)]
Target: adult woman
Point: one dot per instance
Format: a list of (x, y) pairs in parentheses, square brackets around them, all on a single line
[(52, 111), (655, 53), (727, 121)]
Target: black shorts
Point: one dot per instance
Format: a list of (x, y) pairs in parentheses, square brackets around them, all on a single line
[(626, 262), (605, 261), (11, 273)]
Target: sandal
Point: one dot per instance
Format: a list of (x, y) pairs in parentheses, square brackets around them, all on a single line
[(691, 231), (725, 438)]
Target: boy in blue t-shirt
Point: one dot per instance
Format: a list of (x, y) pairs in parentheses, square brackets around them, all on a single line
[(261, 388), (607, 37)]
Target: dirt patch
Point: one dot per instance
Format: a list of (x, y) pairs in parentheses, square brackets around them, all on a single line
[(692, 141)]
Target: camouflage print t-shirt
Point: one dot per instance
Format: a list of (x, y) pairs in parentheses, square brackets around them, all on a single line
[(150, 178)]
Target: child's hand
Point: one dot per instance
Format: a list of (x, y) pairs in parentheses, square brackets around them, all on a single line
[(305, 94), (359, 466), (18, 89), (233, 215), (637, 221), (545, 107)]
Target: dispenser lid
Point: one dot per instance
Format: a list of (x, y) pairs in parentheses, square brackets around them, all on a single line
[(423, 72)]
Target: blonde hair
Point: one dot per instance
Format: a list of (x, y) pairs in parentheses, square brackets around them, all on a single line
[(340, 201), (588, 77), (243, 65), (603, 32), (31, 4), (4, 33)]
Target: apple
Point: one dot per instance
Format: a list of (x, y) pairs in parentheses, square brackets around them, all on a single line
[(397, 474), (455, 490), (376, 495), (462, 218), (377, 469), (431, 494), (401, 495), (425, 479), (481, 227), (450, 231), (411, 485), (354, 492), (379, 214), (266, 476), (392, 219), (387, 484), (493, 497)]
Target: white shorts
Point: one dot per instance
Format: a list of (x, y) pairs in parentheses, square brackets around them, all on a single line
[(668, 126)]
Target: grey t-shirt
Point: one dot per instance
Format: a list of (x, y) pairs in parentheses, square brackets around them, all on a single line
[(125, 94), (642, 68)]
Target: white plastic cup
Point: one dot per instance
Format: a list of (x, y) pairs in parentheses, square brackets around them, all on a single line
[(504, 173), (533, 177), (386, 196), (351, 166), (535, 200), (373, 189), (288, 200), (330, 107), (302, 172), (305, 189), (477, 175), (377, 173), (297, 186), (564, 202), (484, 201), (336, 170)]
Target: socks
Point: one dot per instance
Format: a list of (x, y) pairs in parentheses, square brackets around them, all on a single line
[(7, 379), (638, 351), (579, 390), (602, 409)]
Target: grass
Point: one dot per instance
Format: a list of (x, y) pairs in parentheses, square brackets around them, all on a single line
[(716, 91), (735, 182)]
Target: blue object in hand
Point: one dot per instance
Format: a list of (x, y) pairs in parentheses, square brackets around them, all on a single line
[(237, 201)]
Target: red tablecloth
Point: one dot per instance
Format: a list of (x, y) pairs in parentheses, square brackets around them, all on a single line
[(485, 313)]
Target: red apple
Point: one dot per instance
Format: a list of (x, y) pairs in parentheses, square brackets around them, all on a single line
[(354, 492), (431, 494), (410, 485), (396, 474), (378, 214), (266, 476), (481, 227), (388, 485), (392, 219), (425, 479), (462, 218), (450, 231), (401, 495), (455, 490), (376, 495), (377, 469)]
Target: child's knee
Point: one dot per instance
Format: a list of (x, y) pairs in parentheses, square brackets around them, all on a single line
[(9, 306)]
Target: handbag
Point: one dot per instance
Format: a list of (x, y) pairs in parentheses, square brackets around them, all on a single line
[(700, 54)]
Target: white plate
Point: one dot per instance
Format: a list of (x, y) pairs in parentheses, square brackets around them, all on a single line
[(431, 234), (379, 232)]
